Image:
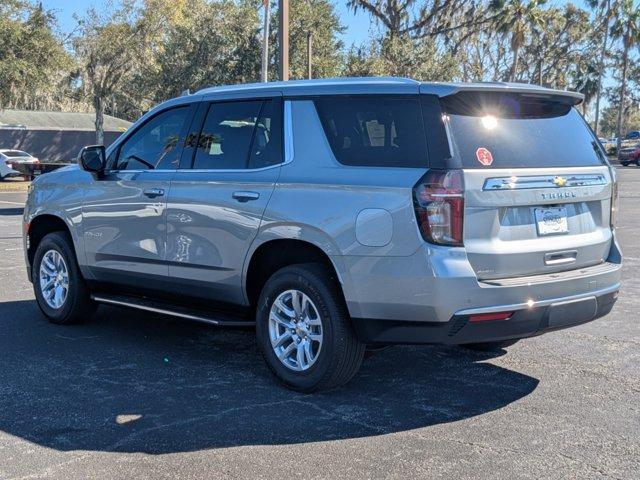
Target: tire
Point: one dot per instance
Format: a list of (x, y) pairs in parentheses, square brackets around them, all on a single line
[(340, 353), (490, 346), (625, 164), (77, 305)]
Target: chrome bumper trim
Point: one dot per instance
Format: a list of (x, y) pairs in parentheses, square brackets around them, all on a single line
[(539, 303)]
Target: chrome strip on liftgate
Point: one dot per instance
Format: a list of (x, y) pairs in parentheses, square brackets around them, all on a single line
[(543, 181)]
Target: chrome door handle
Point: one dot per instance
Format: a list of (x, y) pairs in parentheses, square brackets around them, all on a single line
[(245, 196), (153, 192)]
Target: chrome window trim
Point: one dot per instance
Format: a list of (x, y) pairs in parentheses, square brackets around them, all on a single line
[(543, 181)]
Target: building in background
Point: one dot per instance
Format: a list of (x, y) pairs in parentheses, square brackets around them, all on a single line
[(54, 136)]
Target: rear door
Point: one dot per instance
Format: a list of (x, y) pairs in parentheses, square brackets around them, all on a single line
[(219, 194), (537, 189)]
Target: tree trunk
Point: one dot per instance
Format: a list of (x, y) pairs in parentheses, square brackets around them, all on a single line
[(603, 52), (514, 64), (309, 55), (540, 71), (98, 106), (625, 61), (265, 43)]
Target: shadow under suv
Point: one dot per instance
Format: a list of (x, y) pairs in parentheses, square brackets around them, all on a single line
[(338, 214)]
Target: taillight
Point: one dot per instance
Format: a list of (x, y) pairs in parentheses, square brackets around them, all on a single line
[(439, 206)]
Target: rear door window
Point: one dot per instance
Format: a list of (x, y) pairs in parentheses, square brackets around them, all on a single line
[(240, 135), (379, 131), (513, 131)]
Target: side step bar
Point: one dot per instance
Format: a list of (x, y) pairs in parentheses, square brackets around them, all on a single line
[(218, 319)]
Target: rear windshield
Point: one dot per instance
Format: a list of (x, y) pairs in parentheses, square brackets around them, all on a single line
[(15, 153), (514, 131), (380, 131)]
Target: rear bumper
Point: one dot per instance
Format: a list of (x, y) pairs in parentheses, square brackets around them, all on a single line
[(528, 320), (414, 305)]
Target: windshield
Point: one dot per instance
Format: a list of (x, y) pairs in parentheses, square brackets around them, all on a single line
[(511, 131)]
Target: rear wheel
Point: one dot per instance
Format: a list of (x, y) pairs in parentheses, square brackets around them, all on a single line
[(490, 346), (60, 290), (625, 164), (304, 331)]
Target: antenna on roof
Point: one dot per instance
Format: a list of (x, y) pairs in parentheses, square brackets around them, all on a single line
[(185, 92)]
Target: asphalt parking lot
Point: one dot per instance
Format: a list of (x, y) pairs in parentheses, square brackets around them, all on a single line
[(133, 395)]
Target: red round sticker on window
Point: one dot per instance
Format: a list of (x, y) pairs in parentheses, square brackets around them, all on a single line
[(484, 156)]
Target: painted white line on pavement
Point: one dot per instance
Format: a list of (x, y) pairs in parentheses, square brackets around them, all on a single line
[(12, 203)]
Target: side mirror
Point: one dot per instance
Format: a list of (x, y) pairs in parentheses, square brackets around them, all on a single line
[(93, 159)]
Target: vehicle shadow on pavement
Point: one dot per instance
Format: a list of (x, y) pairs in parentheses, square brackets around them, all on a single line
[(135, 382)]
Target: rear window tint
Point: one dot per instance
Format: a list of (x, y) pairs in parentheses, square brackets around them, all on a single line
[(379, 131), (512, 131)]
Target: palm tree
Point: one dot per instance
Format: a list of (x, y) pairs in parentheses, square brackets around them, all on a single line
[(603, 9), (587, 83), (626, 27), (517, 18)]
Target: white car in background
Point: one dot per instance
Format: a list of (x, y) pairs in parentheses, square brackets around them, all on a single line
[(13, 163)]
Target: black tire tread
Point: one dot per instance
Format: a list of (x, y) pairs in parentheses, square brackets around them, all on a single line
[(349, 353)]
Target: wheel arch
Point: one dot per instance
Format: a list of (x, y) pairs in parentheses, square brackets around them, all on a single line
[(273, 254), (40, 226)]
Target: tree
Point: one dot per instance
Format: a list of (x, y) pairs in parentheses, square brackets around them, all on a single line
[(603, 10), (33, 62), (626, 27), (212, 44), (587, 83), (424, 18), (318, 18), (401, 57), (109, 49), (516, 19), (557, 48)]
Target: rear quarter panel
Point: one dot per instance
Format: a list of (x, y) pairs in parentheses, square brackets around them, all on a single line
[(319, 201)]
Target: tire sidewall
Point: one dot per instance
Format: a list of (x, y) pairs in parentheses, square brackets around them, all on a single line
[(317, 292), (59, 242)]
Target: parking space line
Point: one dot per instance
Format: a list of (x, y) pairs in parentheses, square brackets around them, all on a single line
[(12, 203)]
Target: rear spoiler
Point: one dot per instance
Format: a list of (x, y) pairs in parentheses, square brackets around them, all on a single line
[(533, 91)]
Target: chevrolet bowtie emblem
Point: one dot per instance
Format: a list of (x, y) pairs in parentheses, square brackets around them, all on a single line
[(560, 181)]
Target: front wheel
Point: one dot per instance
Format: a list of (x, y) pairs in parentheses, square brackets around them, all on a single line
[(60, 290), (304, 331), (625, 164)]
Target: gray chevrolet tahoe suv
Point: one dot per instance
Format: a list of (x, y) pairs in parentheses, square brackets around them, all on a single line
[(338, 215)]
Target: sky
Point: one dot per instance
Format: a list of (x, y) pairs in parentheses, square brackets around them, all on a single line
[(359, 26)]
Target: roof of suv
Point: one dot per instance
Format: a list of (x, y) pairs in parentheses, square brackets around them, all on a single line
[(377, 85)]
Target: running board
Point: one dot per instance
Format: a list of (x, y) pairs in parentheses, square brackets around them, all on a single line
[(218, 319)]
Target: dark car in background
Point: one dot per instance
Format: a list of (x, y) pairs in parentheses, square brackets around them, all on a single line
[(630, 155)]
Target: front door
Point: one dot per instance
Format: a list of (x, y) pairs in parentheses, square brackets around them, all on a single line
[(124, 212), (217, 200)]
